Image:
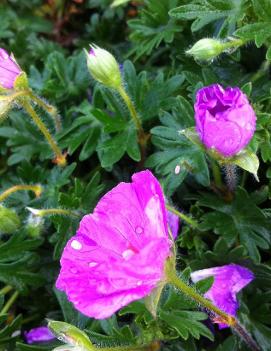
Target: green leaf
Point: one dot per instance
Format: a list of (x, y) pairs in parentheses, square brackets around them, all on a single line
[(268, 54), (262, 9), (187, 323), (153, 27), (240, 221), (205, 12), (111, 150), (204, 285), (259, 32), (247, 88)]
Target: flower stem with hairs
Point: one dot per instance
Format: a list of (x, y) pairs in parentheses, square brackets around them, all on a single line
[(6, 289), (51, 110), (142, 137), (60, 158), (37, 189), (52, 211), (9, 303)]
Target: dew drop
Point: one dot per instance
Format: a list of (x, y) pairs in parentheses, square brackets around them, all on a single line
[(139, 283), (74, 270), (76, 245), (139, 230), (177, 169), (92, 264), (128, 254)]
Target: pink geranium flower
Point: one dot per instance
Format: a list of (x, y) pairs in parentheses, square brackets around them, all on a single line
[(9, 70), (119, 251)]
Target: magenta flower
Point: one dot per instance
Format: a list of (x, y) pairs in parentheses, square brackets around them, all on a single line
[(228, 281), (39, 334), (119, 251), (9, 70), (225, 121), (173, 223)]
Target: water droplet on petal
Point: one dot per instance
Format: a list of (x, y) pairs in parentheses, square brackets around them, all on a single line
[(92, 264), (139, 283), (139, 230), (74, 270), (76, 245), (128, 254)]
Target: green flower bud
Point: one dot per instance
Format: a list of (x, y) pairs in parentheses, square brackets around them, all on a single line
[(103, 67), (9, 220), (70, 335), (34, 225), (206, 49)]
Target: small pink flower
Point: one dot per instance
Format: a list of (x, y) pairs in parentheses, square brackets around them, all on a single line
[(39, 334), (9, 70), (118, 253), (228, 281)]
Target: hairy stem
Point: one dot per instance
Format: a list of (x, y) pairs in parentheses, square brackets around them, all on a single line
[(51, 110), (142, 137), (60, 158), (9, 303), (37, 189), (6, 289), (52, 211), (184, 217), (234, 43), (131, 108)]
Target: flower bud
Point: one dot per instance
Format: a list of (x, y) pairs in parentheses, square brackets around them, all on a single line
[(103, 67), (9, 70), (70, 335), (225, 120), (9, 220), (206, 49), (34, 225)]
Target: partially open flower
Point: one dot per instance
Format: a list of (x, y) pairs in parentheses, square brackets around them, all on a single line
[(228, 281), (103, 67), (39, 334), (9, 70), (225, 121), (119, 252)]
